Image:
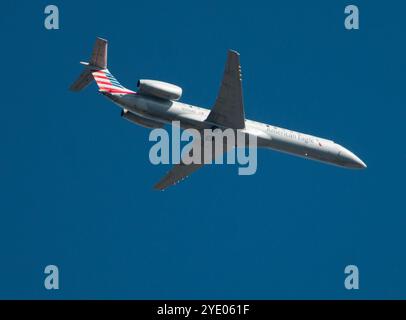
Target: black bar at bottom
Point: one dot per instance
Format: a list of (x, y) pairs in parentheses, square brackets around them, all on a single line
[(202, 309)]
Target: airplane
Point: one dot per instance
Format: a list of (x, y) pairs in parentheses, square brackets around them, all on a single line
[(156, 103)]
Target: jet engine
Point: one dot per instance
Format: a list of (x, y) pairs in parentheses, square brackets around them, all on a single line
[(145, 122), (159, 89)]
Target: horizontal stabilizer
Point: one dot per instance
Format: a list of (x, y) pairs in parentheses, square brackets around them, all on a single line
[(83, 81)]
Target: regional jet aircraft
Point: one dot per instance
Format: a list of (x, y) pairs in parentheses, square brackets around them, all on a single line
[(156, 103)]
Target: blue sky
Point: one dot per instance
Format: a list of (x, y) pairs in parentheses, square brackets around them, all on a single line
[(76, 181)]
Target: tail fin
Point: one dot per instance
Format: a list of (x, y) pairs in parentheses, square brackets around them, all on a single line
[(98, 61), (99, 54), (97, 69)]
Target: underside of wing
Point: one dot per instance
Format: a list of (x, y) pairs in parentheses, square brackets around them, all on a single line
[(185, 168), (228, 110), (177, 174)]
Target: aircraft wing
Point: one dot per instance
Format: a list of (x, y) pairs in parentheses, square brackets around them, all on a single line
[(176, 174), (181, 171), (228, 110)]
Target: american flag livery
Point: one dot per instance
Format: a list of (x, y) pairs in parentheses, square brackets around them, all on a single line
[(108, 83)]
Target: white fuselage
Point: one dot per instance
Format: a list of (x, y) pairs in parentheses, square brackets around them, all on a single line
[(268, 136)]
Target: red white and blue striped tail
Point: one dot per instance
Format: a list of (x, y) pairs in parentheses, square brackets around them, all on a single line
[(96, 69), (108, 83)]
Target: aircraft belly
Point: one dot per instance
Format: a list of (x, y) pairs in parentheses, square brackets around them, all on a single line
[(296, 148)]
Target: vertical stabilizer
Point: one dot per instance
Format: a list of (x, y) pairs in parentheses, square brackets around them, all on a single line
[(98, 61), (99, 54)]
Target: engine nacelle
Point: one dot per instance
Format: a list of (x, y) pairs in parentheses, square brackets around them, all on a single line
[(145, 122), (159, 89)]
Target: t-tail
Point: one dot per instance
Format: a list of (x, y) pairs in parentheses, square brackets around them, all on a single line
[(96, 69)]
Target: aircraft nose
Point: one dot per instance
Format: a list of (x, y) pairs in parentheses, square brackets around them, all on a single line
[(350, 159)]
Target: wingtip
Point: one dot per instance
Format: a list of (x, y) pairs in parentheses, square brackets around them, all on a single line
[(101, 39), (158, 188), (231, 51)]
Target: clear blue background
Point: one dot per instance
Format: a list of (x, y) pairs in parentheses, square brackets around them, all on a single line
[(76, 181)]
